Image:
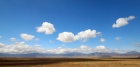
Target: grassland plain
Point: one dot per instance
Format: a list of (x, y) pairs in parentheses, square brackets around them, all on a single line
[(69, 62)]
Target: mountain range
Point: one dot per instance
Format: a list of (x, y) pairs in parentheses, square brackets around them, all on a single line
[(96, 54)]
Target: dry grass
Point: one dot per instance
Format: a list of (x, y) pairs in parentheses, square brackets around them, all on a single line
[(69, 62)]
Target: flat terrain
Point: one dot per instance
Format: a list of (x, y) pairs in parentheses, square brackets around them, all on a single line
[(69, 62)]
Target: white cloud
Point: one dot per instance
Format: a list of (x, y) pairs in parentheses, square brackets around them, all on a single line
[(102, 40), (84, 47), (118, 38), (37, 45), (101, 49), (66, 37), (83, 35), (21, 47), (59, 50), (87, 34), (46, 27), (130, 18), (122, 21), (13, 39), (1, 45), (26, 37)]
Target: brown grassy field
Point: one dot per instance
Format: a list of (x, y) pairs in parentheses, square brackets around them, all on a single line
[(69, 62)]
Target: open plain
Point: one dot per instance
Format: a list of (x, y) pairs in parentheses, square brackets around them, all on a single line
[(69, 62)]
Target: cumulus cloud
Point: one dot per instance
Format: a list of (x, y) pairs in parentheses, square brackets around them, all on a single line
[(101, 48), (122, 21), (20, 47), (85, 49), (59, 50), (1, 45), (46, 27), (26, 37), (23, 48), (37, 45), (83, 35), (102, 40), (0, 36), (118, 38), (13, 39), (87, 34), (82, 49), (66, 37)]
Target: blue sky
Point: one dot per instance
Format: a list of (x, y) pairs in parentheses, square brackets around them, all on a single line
[(19, 17)]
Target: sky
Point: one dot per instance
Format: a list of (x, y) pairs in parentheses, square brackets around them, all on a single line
[(63, 26)]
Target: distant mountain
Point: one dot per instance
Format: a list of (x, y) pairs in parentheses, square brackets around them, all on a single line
[(133, 53), (74, 54), (18, 55)]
